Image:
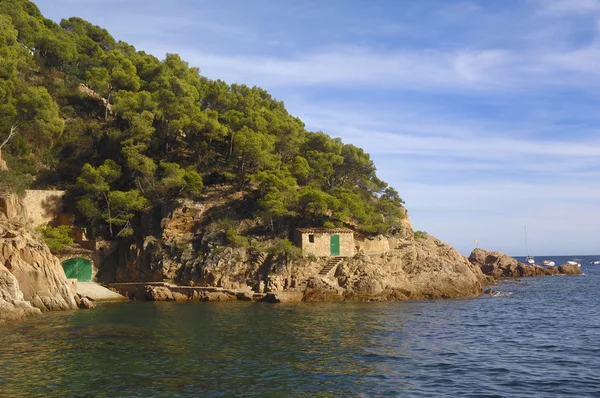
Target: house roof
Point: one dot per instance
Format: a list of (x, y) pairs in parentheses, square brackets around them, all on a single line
[(324, 230)]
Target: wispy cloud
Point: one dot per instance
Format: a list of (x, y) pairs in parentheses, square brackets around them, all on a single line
[(562, 7)]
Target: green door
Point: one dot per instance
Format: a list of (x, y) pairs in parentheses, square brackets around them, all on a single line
[(78, 268), (334, 245)]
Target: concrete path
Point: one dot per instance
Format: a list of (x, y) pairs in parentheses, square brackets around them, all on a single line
[(96, 292)]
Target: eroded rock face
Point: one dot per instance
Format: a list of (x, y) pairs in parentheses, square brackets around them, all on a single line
[(31, 278), (499, 266), (425, 269)]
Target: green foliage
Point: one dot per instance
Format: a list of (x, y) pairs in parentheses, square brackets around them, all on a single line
[(175, 181), (283, 249), (123, 206), (123, 131), (420, 235), (101, 201), (12, 181), (19, 175), (57, 238), (235, 239)]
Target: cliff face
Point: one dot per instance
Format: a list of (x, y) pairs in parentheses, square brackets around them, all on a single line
[(411, 269), (31, 278)]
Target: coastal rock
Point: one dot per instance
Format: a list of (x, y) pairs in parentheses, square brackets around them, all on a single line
[(569, 269), (500, 266), (12, 304), (553, 270), (283, 297), (159, 293), (425, 269), (30, 276), (188, 250), (83, 302)]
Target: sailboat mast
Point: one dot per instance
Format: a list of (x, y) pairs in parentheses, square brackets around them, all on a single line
[(526, 244)]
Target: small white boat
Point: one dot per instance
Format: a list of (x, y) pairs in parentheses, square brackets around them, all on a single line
[(548, 263), (528, 259), (597, 262), (575, 261)]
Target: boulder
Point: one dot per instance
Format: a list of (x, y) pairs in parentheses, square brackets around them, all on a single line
[(282, 297), (84, 302), (569, 269), (159, 293)]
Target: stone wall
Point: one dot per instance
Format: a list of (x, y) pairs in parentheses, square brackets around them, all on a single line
[(321, 245), (376, 244), (43, 206)]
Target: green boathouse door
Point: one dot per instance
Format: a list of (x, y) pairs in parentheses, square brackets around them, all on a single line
[(334, 245), (78, 268)]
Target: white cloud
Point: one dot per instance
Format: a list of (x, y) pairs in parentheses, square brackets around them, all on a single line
[(491, 70), (464, 179), (562, 7)]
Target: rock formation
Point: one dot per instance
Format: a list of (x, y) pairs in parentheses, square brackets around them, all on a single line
[(31, 278), (424, 268), (421, 269), (499, 266)]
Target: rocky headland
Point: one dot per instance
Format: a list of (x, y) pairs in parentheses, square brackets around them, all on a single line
[(181, 260), (31, 278)]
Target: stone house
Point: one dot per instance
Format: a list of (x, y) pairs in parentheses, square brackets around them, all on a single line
[(325, 242)]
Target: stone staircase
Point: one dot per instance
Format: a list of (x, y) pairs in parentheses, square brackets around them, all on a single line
[(331, 264), (260, 258)]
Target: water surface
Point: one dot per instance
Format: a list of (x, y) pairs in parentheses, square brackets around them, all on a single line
[(538, 337)]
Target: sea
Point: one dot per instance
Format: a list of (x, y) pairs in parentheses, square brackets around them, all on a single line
[(535, 337)]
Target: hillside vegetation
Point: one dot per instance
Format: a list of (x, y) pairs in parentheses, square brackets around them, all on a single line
[(124, 132)]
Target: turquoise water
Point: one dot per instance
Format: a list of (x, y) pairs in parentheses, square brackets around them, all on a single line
[(538, 337)]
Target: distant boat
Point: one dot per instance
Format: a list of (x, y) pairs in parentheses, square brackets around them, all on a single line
[(529, 259), (575, 261), (597, 262), (548, 263)]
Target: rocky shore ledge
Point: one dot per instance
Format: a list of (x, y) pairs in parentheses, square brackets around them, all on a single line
[(420, 269)]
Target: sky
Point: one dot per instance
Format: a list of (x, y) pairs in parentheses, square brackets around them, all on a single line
[(484, 115)]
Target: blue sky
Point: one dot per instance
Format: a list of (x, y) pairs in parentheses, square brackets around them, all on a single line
[(484, 115)]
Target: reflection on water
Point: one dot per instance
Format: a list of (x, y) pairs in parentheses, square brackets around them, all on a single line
[(539, 340)]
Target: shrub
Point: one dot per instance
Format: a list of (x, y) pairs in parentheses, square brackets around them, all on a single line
[(14, 182), (420, 234), (283, 248), (57, 238), (235, 239)]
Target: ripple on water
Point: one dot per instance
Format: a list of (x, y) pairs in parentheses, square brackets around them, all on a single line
[(537, 338)]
